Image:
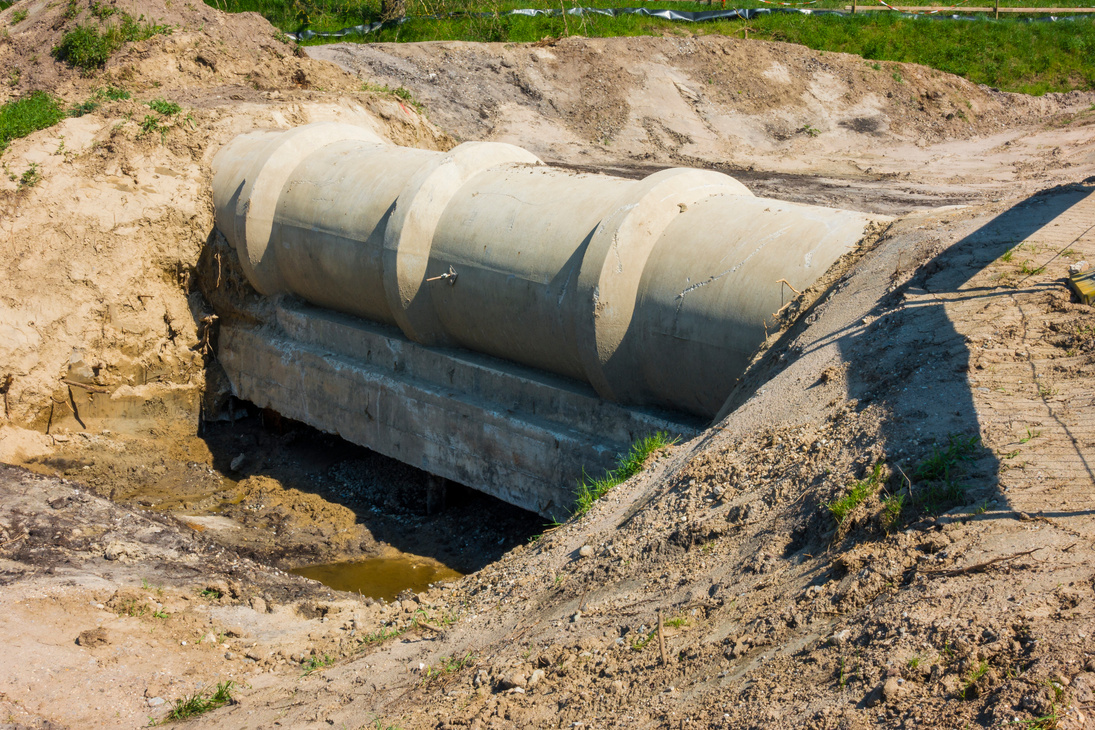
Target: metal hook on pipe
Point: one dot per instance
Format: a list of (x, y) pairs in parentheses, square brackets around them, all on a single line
[(450, 275)]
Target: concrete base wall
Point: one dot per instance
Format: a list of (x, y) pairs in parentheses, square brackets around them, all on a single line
[(516, 433)]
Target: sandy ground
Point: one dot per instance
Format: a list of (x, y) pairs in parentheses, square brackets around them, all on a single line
[(971, 604)]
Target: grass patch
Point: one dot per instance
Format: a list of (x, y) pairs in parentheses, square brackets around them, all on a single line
[(448, 665), (858, 493), (939, 474), (971, 679), (165, 107), (109, 93), (399, 92), (90, 45), (18, 16), (37, 110), (315, 662), (627, 466), (201, 702)]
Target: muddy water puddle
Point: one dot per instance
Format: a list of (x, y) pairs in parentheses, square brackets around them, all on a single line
[(292, 497), (380, 578)]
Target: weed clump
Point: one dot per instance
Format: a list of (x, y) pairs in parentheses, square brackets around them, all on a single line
[(627, 466), (37, 110), (200, 702), (89, 46), (858, 493)]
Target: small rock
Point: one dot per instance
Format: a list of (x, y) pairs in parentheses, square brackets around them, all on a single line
[(585, 551), (577, 615), (156, 701), (258, 603), (536, 677), (891, 689), (236, 463), (209, 638), (839, 638), (229, 655), (93, 637), (1078, 268), (513, 680)]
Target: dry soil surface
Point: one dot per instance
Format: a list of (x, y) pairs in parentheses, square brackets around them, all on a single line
[(944, 368)]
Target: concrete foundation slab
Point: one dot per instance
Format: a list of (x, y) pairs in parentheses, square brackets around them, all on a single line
[(519, 434)]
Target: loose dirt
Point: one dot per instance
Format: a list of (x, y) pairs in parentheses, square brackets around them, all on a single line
[(948, 353)]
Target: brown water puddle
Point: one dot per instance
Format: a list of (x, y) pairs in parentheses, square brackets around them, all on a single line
[(380, 578)]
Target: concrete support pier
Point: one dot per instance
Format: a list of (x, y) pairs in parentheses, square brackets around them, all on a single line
[(493, 320)]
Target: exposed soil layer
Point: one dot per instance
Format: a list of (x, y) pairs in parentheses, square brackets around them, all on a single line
[(826, 128)]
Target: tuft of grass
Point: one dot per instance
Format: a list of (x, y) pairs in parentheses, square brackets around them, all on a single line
[(211, 593), (940, 473), (30, 177), (627, 465), (164, 107), (640, 643), (858, 492), (200, 702), (1008, 256), (399, 92), (971, 679), (314, 662), (1032, 433), (914, 662), (89, 46), (18, 118), (449, 665), (676, 622), (18, 16), (891, 511)]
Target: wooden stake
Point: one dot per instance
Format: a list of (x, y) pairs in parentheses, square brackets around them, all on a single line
[(996, 8), (661, 638)]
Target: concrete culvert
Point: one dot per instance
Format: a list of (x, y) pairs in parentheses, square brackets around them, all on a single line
[(655, 292), (513, 325)]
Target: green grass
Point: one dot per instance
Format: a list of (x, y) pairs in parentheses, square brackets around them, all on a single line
[(90, 45), (627, 465), (449, 665), (200, 702), (858, 493), (162, 106), (37, 110), (1009, 54), (939, 475), (315, 662)]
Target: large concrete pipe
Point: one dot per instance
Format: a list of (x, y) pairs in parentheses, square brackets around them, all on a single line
[(655, 292)]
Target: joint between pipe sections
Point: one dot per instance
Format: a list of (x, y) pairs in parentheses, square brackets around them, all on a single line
[(412, 226), (612, 268), (261, 193)]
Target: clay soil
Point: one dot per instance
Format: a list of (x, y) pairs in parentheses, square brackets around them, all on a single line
[(143, 551)]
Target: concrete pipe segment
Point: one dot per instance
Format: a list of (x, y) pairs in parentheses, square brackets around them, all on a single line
[(655, 292)]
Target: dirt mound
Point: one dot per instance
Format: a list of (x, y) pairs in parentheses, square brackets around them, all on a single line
[(683, 100), (198, 47), (957, 591), (100, 324)]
